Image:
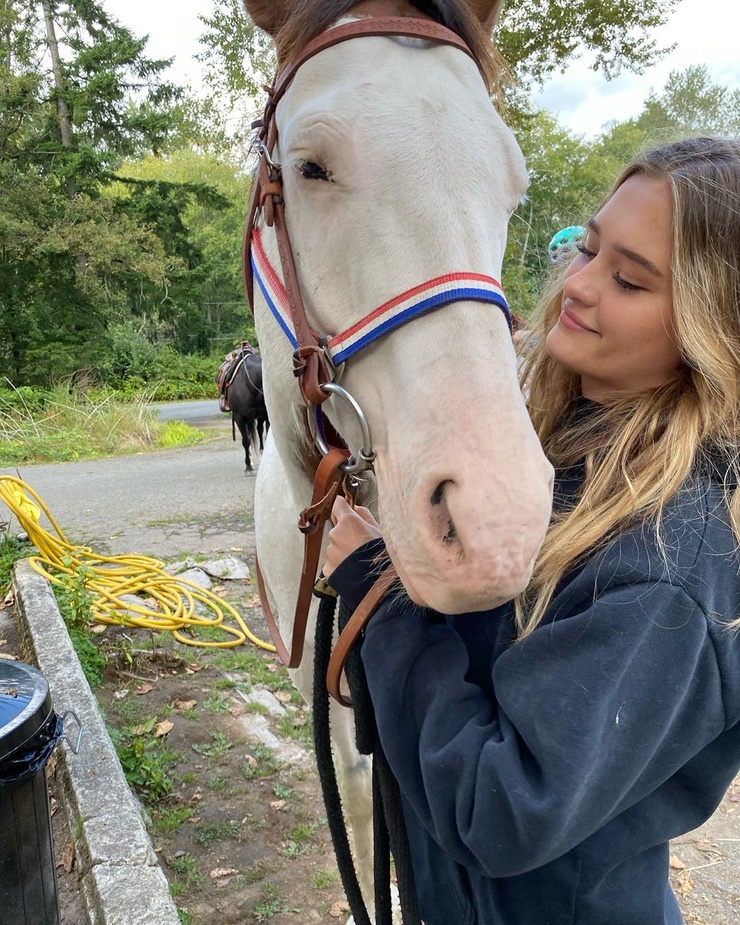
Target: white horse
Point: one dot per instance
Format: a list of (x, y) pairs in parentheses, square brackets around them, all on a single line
[(397, 170)]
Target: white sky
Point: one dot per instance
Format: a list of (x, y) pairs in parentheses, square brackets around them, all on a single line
[(706, 32)]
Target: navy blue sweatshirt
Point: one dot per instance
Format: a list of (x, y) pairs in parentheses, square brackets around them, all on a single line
[(542, 779)]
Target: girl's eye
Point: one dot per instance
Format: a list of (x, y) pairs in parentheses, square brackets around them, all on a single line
[(310, 170), (620, 281), (582, 249)]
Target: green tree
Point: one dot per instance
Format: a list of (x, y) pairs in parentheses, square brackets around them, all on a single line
[(207, 306), (690, 104), (536, 38), (83, 247), (238, 60), (568, 175), (539, 37)]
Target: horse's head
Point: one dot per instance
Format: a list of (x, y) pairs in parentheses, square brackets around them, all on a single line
[(397, 170)]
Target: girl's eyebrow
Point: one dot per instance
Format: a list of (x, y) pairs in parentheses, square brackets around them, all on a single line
[(629, 254)]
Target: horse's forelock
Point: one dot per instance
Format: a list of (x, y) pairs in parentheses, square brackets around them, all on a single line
[(310, 18)]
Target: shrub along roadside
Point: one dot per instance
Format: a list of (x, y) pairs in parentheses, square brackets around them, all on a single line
[(67, 424)]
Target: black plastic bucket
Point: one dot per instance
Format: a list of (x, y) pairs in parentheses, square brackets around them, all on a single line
[(29, 732)]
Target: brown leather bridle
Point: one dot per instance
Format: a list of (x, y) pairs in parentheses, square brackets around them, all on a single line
[(310, 362)]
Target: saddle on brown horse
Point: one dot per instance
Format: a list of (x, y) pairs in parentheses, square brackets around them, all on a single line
[(228, 370)]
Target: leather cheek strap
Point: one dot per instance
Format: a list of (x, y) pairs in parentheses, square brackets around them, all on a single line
[(356, 624)]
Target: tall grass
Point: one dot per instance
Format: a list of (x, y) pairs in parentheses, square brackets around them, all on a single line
[(66, 424)]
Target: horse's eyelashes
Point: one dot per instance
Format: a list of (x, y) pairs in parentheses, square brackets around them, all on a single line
[(310, 170)]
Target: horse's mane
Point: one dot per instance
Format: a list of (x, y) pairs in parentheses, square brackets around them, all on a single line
[(309, 18)]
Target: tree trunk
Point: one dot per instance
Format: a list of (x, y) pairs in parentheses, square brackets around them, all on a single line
[(65, 123)]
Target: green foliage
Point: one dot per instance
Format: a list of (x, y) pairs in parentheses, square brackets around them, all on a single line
[(86, 247), (690, 104), (178, 433), (71, 423), (11, 551), (169, 818), (188, 877), (217, 748), (539, 37), (324, 879), (238, 61), (207, 832), (75, 606), (567, 179), (271, 903), (146, 761)]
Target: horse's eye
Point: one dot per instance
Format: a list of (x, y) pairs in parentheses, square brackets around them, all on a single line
[(310, 170)]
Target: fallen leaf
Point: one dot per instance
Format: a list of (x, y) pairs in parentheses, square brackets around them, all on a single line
[(283, 696), (161, 729), (278, 804), (236, 711), (185, 704), (196, 798), (144, 689), (676, 863), (271, 666), (10, 658), (68, 857), (194, 819), (3, 641), (219, 872), (684, 883), (8, 601), (339, 908)]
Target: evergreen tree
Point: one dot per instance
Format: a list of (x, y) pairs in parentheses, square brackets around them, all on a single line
[(83, 247)]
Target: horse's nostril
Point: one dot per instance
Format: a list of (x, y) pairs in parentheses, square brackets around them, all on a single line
[(438, 493), (445, 526)]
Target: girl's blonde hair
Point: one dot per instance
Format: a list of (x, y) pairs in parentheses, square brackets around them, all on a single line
[(639, 448)]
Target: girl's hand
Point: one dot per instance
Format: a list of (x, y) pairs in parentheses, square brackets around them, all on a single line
[(352, 529)]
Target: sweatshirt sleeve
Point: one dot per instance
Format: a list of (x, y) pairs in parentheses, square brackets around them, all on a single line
[(354, 577), (588, 715)]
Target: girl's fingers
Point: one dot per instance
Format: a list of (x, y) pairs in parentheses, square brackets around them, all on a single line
[(366, 515)]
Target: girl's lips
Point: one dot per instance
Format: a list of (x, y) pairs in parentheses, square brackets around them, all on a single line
[(570, 321)]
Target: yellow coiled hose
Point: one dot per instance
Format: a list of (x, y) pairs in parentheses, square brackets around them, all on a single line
[(110, 579)]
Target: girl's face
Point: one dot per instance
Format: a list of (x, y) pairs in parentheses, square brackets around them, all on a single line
[(615, 325)]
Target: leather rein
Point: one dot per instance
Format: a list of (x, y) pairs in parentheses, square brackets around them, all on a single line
[(315, 358)]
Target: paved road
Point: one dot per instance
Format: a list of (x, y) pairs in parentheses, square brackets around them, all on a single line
[(197, 413), (166, 503)]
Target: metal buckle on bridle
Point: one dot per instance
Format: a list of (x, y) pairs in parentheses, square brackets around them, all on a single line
[(263, 152), (365, 456)]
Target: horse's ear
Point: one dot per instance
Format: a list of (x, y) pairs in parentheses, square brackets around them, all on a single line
[(269, 15), (488, 11)]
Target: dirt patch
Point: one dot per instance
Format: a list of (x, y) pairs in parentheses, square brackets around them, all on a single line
[(218, 746), (72, 909)]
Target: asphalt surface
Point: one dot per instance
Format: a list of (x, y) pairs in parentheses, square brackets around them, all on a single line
[(197, 413), (164, 504)]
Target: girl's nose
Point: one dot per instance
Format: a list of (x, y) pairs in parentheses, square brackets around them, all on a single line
[(579, 283)]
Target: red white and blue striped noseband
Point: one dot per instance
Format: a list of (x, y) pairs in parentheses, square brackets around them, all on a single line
[(442, 290)]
